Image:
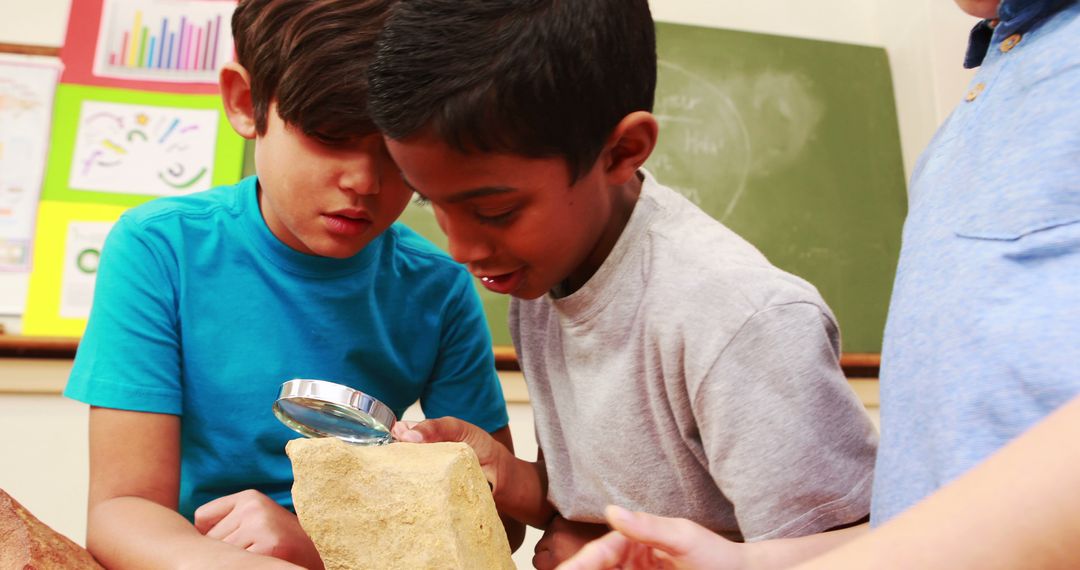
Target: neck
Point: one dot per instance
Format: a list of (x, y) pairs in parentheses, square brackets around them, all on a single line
[(623, 200)]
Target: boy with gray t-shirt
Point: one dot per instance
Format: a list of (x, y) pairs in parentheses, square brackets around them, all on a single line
[(698, 380), (671, 368)]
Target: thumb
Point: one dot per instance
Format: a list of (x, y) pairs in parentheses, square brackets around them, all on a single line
[(448, 429), (673, 536)]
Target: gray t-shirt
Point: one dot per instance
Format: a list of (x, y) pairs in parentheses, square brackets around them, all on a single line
[(689, 377)]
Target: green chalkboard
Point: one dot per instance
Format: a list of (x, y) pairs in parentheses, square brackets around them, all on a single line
[(793, 144)]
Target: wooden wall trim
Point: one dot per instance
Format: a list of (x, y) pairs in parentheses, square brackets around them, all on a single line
[(30, 50), (855, 365)]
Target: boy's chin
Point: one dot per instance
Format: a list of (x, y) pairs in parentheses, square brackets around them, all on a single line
[(338, 250)]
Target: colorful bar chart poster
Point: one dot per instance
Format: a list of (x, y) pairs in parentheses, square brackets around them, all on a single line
[(143, 149), (180, 41)]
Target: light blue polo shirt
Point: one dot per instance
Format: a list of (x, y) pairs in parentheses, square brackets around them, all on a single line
[(983, 335), (199, 311)]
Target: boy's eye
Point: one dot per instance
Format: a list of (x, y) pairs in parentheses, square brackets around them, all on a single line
[(494, 217), (331, 140)]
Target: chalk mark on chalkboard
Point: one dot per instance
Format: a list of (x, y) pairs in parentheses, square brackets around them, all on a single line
[(696, 119)]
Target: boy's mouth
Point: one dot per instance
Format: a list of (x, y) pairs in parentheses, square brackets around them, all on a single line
[(347, 223), (504, 284)]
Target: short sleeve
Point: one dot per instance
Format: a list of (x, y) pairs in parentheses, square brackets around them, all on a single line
[(787, 440), (464, 383), (129, 356)]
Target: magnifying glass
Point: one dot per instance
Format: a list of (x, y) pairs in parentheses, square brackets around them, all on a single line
[(317, 408)]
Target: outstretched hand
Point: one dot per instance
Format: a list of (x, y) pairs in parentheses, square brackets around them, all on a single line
[(256, 523), (490, 452), (642, 541)]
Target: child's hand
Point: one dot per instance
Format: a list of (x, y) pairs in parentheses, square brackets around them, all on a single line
[(491, 453), (642, 541), (254, 522), (562, 539)]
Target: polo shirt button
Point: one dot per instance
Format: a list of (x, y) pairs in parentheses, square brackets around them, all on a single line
[(1010, 42), (975, 91)]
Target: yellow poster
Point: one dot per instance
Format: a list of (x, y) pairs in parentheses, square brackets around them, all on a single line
[(67, 245)]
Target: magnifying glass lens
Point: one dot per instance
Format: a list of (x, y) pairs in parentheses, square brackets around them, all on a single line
[(316, 408)]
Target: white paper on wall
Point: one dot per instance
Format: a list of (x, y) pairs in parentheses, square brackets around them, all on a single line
[(141, 149), (82, 250)]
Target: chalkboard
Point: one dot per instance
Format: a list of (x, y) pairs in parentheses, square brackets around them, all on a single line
[(792, 143)]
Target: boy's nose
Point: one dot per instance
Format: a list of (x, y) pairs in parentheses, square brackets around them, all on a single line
[(360, 175), (362, 168), (464, 244)]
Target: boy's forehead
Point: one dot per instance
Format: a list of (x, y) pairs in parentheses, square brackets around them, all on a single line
[(429, 165)]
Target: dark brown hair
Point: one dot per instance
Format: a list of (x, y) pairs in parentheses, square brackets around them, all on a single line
[(538, 78), (311, 57)]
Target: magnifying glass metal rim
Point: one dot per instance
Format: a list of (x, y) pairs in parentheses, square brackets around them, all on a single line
[(326, 392)]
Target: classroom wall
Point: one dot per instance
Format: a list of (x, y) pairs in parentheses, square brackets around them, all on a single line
[(34, 22), (43, 454)]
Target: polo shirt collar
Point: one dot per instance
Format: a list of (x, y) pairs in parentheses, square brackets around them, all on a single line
[(1014, 17)]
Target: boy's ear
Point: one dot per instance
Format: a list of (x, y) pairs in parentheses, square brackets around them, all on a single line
[(236, 96), (629, 146)]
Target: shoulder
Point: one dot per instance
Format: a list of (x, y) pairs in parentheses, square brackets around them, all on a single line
[(415, 254), (1045, 64), (697, 267), (190, 209)]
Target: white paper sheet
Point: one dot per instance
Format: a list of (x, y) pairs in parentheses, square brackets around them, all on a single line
[(81, 253), (27, 87), (140, 149)]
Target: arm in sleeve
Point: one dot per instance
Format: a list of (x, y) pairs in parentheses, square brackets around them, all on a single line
[(787, 440), (129, 356)]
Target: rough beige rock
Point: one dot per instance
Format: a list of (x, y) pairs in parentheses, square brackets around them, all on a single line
[(29, 544), (398, 506)]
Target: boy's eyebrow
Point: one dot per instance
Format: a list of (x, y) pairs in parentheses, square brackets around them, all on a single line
[(467, 195)]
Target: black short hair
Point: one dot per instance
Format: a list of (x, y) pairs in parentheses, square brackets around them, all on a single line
[(539, 78), (310, 56)]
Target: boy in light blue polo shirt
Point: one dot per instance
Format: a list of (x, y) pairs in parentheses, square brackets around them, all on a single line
[(206, 303), (983, 336)]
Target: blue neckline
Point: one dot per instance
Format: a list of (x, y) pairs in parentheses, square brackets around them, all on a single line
[(288, 258)]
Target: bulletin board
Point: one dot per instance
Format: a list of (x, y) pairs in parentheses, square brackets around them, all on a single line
[(136, 116)]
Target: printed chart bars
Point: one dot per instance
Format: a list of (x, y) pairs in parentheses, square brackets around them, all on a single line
[(164, 40), (187, 47)]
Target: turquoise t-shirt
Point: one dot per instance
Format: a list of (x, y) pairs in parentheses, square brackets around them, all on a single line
[(199, 311)]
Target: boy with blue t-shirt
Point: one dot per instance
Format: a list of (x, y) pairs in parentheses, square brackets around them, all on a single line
[(669, 365), (206, 303)]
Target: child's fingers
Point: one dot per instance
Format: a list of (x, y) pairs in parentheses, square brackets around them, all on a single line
[(240, 538), (210, 514), (403, 431), (449, 429), (225, 528), (674, 536)]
